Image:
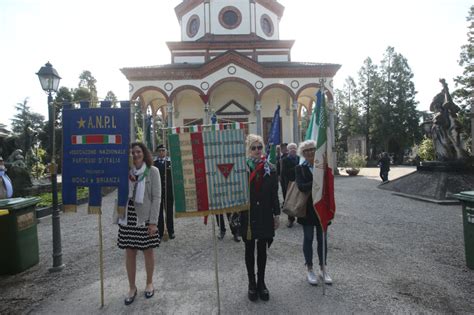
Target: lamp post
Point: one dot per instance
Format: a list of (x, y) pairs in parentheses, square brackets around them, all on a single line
[(49, 80)]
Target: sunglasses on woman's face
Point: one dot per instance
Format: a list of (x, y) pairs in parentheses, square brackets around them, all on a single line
[(259, 147), (309, 150)]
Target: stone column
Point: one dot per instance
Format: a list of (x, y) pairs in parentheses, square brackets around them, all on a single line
[(206, 114), (296, 129), (144, 125), (332, 112), (153, 132), (169, 114), (258, 115)]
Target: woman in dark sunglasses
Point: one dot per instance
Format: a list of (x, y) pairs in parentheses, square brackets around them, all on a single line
[(263, 216)]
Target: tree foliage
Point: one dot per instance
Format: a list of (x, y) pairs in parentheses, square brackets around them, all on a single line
[(380, 105), (27, 126), (464, 93), (112, 98), (88, 82)]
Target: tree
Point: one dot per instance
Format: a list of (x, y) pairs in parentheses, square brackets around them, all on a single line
[(112, 98), (63, 95), (27, 126), (88, 82), (396, 124), (367, 97), (349, 120), (464, 94), (82, 94)]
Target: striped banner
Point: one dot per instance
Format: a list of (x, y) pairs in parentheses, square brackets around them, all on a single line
[(96, 139), (209, 171), (213, 127)]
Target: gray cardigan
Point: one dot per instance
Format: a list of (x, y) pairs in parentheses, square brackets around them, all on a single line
[(150, 208)]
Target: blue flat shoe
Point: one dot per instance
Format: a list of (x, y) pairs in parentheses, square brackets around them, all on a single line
[(130, 299)]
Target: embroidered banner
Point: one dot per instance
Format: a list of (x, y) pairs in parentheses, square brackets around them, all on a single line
[(209, 170), (95, 153)]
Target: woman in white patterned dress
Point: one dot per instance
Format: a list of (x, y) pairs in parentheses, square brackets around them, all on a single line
[(137, 229)]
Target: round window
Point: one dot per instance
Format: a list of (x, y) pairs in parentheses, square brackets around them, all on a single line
[(267, 25), (193, 26), (230, 17)]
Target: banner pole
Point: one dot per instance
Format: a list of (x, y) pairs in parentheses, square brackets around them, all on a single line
[(216, 267), (324, 263), (101, 261), (165, 204)]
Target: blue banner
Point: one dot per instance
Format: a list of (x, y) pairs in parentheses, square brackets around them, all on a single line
[(95, 153)]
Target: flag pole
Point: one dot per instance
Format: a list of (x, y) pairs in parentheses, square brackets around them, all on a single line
[(323, 267), (101, 260), (165, 204), (216, 266)]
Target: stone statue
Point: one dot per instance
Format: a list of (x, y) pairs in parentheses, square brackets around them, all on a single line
[(6, 188), (446, 129), (16, 159), (18, 173)]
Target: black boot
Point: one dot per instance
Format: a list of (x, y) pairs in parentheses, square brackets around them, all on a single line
[(263, 292), (252, 289)]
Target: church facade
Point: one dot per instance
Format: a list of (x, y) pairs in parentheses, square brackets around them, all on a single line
[(231, 64)]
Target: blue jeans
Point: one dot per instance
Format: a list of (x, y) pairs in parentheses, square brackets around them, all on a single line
[(308, 231)]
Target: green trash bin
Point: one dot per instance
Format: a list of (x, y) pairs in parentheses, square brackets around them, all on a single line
[(18, 235), (467, 200)]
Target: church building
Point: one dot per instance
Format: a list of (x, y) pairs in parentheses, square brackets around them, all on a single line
[(232, 65)]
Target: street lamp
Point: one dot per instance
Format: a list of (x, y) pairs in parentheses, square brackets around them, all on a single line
[(49, 80)]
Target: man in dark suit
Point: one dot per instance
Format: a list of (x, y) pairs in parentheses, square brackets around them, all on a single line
[(288, 164), (164, 165)]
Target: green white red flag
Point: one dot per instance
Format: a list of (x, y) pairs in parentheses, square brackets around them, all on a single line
[(323, 176)]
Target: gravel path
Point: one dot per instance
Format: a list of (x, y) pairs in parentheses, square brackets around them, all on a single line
[(387, 254)]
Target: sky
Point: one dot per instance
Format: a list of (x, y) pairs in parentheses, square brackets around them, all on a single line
[(105, 36)]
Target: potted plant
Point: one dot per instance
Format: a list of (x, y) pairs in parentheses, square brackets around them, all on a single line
[(354, 163)]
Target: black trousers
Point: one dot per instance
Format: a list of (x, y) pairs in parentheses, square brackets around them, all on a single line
[(169, 217), (384, 175), (221, 223), (261, 259)]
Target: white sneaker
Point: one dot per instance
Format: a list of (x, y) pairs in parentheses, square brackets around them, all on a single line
[(312, 279), (327, 279)]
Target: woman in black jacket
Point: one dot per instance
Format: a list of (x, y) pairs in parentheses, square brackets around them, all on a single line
[(304, 180), (264, 216)]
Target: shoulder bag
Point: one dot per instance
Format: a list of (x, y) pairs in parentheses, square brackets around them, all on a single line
[(295, 201)]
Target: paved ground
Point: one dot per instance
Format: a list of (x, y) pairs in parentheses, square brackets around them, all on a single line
[(387, 254)]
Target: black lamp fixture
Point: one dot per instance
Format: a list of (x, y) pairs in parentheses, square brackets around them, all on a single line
[(49, 80)]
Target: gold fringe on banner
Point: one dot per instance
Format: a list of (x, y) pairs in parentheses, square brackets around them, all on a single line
[(69, 208), (94, 210), (121, 211), (211, 212)]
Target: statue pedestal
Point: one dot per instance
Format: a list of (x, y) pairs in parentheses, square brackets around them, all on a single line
[(435, 181)]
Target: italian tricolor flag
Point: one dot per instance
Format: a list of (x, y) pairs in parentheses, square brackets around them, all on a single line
[(96, 139), (323, 178)]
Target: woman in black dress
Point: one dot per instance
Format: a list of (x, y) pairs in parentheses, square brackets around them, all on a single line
[(263, 216), (137, 229)]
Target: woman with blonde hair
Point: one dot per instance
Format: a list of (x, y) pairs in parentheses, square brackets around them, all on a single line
[(137, 229), (304, 180), (258, 224)]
